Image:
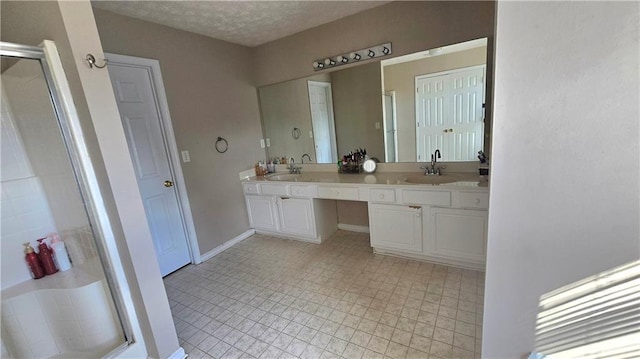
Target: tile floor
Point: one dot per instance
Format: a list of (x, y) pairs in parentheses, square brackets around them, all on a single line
[(269, 297)]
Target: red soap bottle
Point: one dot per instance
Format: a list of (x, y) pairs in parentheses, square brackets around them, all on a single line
[(46, 257), (32, 262)]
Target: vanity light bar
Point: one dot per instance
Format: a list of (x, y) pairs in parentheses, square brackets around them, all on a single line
[(353, 56)]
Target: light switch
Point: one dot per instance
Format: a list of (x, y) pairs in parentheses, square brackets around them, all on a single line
[(185, 156), (262, 143), (377, 125), (310, 134)]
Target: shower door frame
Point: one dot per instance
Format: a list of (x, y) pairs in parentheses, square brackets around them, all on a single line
[(71, 132)]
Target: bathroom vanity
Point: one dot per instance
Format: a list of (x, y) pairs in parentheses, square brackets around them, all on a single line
[(441, 219)]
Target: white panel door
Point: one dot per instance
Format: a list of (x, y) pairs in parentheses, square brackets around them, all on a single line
[(467, 115), (324, 133), (432, 106), (136, 98), (450, 114)]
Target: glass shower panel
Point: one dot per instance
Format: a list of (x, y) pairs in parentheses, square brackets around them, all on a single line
[(69, 313)]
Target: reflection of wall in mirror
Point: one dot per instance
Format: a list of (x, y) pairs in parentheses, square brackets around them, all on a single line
[(401, 79), (285, 106), (357, 106)]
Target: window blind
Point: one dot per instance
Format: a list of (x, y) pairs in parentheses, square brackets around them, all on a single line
[(598, 317)]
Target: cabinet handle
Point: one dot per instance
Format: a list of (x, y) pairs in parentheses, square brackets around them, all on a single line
[(284, 198), (415, 207)]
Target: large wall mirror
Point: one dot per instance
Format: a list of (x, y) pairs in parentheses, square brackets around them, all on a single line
[(400, 109)]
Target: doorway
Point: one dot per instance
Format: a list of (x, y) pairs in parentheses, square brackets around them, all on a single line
[(139, 91), (324, 130)]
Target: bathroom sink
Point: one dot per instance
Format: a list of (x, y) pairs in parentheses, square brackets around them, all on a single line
[(422, 179), (284, 177)]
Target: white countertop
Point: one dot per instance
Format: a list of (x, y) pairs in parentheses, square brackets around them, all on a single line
[(463, 180)]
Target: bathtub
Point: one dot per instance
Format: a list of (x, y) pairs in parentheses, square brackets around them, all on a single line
[(68, 314)]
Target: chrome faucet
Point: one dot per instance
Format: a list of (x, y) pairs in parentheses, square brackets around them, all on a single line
[(292, 166), (434, 169), (307, 156)]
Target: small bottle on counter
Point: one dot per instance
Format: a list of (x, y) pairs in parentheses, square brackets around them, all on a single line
[(32, 262)]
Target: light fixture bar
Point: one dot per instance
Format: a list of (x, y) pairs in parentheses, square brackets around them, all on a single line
[(367, 53)]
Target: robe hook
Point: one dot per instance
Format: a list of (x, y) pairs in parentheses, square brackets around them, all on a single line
[(92, 62)]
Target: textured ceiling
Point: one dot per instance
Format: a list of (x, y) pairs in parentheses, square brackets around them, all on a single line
[(249, 23)]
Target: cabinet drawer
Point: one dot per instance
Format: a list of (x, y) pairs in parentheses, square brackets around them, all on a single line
[(303, 191), (434, 198), (276, 189), (250, 188), (474, 200), (349, 193), (382, 195)]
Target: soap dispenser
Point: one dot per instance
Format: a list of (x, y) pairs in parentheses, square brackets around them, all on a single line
[(32, 262)]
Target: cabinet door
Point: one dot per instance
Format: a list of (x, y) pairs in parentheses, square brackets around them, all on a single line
[(396, 227), (262, 214), (458, 233), (296, 216)]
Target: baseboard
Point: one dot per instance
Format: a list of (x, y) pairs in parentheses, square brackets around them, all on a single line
[(353, 228), (178, 354), (226, 245)]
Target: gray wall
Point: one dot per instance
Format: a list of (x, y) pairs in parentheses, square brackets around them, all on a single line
[(357, 105), (410, 25), (209, 85), (564, 193)]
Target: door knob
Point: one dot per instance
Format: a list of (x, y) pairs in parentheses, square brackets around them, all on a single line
[(168, 183)]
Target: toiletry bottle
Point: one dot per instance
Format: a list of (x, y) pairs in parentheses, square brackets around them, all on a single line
[(46, 257), (60, 254), (32, 262)]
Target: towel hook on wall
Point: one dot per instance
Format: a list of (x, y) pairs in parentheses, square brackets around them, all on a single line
[(91, 60)]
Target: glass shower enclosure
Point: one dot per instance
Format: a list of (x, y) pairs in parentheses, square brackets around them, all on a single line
[(45, 191)]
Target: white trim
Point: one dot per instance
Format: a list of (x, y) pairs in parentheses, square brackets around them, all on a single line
[(170, 143), (178, 354), (226, 245), (353, 228)]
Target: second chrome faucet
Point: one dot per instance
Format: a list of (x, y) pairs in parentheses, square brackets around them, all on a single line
[(434, 169)]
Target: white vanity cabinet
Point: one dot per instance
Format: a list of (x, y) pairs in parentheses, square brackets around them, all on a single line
[(396, 227), (296, 216), (458, 234), (441, 224), (262, 212), (289, 210)]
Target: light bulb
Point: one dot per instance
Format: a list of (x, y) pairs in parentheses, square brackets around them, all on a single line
[(342, 59), (385, 50), (371, 53), (354, 56)]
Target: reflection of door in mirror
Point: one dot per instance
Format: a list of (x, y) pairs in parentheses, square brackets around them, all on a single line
[(321, 105), (390, 127), (449, 114)]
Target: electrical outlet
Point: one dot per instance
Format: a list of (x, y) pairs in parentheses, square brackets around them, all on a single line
[(185, 156), (262, 143), (377, 125), (268, 142)]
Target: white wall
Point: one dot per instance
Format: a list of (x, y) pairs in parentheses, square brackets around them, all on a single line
[(564, 192)]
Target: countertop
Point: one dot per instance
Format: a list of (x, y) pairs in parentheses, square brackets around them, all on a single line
[(462, 180)]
